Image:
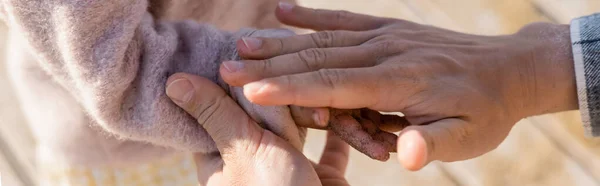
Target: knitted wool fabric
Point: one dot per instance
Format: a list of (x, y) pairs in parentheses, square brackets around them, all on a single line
[(91, 76)]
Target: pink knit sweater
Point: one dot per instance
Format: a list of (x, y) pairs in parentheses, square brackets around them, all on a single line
[(91, 73)]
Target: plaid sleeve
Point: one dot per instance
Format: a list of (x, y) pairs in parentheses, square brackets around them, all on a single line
[(585, 41)]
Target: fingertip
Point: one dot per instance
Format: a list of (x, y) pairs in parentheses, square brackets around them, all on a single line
[(268, 92), (321, 116), (412, 150), (351, 131), (384, 157), (256, 92), (377, 151), (231, 78), (389, 140), (291, 14), (176, 76), (242, 49), (283, 9), (181, 90)]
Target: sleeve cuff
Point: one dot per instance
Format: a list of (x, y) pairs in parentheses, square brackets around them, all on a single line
[(585, 32)]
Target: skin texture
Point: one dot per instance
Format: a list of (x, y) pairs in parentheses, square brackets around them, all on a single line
[(359, 128), (249, 154), (461, 94)]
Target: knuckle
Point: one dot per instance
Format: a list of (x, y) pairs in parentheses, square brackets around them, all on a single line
[(266, 66), (281, 47), (461, 135), (381, 38), (323, 39), (330, 77), (289, 82), (207, 111), (313, 58), (389, 47)]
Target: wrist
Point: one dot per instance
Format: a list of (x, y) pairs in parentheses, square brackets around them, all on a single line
[(551, 64)]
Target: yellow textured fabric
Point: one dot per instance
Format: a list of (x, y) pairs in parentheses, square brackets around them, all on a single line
[(172, 171)]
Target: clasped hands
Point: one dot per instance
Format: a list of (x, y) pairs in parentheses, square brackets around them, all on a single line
[(460, 94)]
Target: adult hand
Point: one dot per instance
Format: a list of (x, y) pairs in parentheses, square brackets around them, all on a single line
[(249, 155), (461, 93)]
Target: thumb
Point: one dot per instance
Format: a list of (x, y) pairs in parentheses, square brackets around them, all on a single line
[(445, 140), (228, 125)]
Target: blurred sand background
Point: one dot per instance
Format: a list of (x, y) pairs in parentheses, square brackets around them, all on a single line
[(545, 150)]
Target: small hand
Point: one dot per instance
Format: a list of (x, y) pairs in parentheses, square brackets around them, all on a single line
[(461, 93), (249, 154)]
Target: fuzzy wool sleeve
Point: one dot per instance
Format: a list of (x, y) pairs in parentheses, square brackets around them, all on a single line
[(585, 41), (114, 58)]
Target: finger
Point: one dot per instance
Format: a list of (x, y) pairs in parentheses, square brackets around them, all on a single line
[(349, 130), (385, 122), (330, 176), (368, 126), (238, 73), (392, 123), (388, 140), (227, 124), (316, 118), (282, 123), (318, 19), (444, 140), (336, 153), (338, 88), (262, 48)]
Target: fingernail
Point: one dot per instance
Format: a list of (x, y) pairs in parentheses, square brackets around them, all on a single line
[(180, 90), (285, 6), (252, 43), (233, 66), (317, 119)]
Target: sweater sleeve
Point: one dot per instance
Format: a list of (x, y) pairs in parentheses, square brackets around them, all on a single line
[(585, 41), (114, 58)]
